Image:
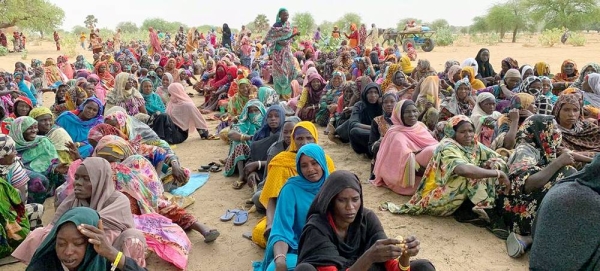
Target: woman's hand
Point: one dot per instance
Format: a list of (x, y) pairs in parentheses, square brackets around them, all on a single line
[(253, 179), (384, 250), (504, 181), (178, 173), (565, 159), (98, 239), (73, 151), (513, 114), (281, 264), (413, 245)]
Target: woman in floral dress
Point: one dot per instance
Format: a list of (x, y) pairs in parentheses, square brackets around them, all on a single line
[(536, 165), (460, 170)]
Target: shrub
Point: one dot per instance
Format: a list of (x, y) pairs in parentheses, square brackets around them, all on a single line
[(24, 55), (577, 39), (550, 37), (444, 37), (3, 51)]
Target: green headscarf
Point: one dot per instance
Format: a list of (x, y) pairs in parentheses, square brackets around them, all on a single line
[(153, 101), (278, 20), (249, 123), (36, 154), (45, 256)]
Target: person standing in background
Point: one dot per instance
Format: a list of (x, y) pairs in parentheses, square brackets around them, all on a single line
[(82, 40)]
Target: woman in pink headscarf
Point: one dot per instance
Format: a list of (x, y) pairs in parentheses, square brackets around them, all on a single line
[(406, 149), (154, 43)]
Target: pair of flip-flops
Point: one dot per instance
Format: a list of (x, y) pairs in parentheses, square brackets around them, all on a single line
[(211, 167), (240, 217)]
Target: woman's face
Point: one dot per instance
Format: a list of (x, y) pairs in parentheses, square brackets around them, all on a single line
[(160, 72), (134, 68), (253, 110), (70, 246), (372, 95), (128, 84), (569, 68), (485, 56), (361, 65), (512, 82), (410, 115), (337, 81), (310, 168), (102, 68), (456, 77), (302, 139), (465, 74), (388, 104), (462, 92), (112, 122), (22, 109), (220, 69), (31, 132), (147, 87), (315, 84), (18, 78), (589, 70), (44, 123), (488, 106), (170, 64), (465, 134), (546, 84), (244, 90), (528, 73), (83, 185), (209, 65), (90, 110), (81, 96), (398, 79), (165, 81), (273, 119), (346, 205), (536, 85), (61, 92), (284, 15), (92, 81), (287, 132), (568, 115)]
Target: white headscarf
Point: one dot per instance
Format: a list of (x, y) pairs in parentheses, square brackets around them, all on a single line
[(471, 62), (478, 115)]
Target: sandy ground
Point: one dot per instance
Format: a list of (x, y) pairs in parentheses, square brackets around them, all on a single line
[(447, 243)]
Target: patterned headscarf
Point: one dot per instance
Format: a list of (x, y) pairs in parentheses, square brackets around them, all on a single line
[(453, 123), (15, 172), (101, 130), (39, 152), (542, 133), (524, 87), (114, 146)]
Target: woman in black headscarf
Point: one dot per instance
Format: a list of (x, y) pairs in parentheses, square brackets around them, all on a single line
[(362, 116), (566, 235), (485, 69), (340, 233), (226, 41)]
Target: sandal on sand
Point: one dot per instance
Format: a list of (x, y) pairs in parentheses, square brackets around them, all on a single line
[(229, 214), (514, 246), (247, 235), (237, 185), (212, 137), (211, 236), (241, 218)]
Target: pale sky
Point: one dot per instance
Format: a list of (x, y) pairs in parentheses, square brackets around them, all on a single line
[(384, 13)]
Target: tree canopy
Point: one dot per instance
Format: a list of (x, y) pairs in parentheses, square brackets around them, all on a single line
[(39, 15), (127, 27), (346, 20), (90, 21), (260, 23), (304, 22), (162, 25), (572, 14)]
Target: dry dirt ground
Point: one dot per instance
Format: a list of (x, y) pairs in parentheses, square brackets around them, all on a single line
[(447, 243)]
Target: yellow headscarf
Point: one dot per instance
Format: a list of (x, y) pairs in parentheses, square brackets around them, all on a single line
[(476, 84), (541, 68), (389, 76), (40, 111)]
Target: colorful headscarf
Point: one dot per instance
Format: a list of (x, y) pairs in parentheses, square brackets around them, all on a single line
[(114, 146), (38, 153), (540, 132), (248, 123), (15, 172), (562, 76), (541, 69), (101, 130), (453, 123)]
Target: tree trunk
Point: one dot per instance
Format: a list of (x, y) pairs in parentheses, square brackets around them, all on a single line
[(41, 34), (515, 30)]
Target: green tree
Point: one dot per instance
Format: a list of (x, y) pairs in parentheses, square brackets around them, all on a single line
[(304, 21), (326, 27), (439, 24), (127, 27), (346, 20), (479, 25), (509, 16), (90, 21), (39, 15), (162, 25), (78, 29), (572, 14), (261, 23)]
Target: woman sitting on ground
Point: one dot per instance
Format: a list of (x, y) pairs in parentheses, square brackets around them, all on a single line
[(247, 126), (57, 135), (78, 241), (293, 203), (521, 107), (267, 135), (279, 170), (461, 170), (484, 117), (310, 98), (340, 234), (182, 117), (426, 97), (554, 229), (567, 75), (536, 165), (578, 135), (93, 188), (125, 95), (460, 103), (154, 104), (329, 100), (39, 157), (134, 130), (380, 126), (79, 122), (363, 113), (506, 89), (404, 151)]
